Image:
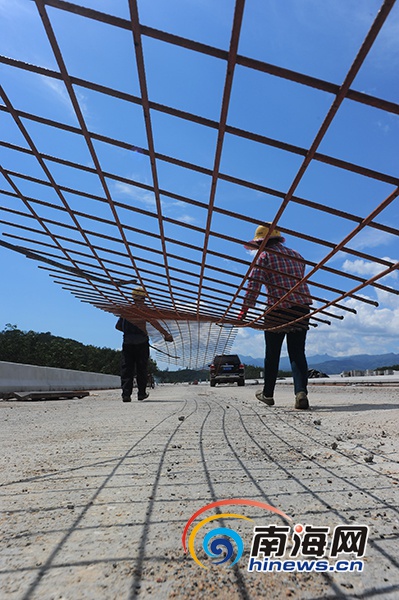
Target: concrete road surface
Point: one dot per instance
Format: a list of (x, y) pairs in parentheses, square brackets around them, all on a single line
[(96, 494)]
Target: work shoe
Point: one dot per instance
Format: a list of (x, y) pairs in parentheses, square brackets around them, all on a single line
[(126, 399), (142, 396), (260, 396), (301, 401)]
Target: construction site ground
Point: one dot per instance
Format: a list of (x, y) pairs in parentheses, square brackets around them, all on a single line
[(96, 493)]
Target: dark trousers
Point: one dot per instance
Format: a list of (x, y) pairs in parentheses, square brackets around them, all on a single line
[(296, 351), (134, 361)]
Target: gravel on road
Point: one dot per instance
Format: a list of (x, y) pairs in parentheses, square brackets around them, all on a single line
[(95, 493)]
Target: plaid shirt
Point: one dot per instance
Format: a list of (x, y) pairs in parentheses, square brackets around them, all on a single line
[(279, 268)]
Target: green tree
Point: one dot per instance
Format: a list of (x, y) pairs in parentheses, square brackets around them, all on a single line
[(45, 349)]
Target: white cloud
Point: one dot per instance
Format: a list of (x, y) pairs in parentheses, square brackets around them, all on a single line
[(369, 269), (142, 196), (371, 238), (252, 253), (386, 47), (58, 90), (249, 342), (384, 127), (147, 199), (187, 219), (373, 330), (82, 99), (15, 9), (60, 94), (174, 209), (387, 299)]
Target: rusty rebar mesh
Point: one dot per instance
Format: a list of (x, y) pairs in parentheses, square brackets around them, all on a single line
[(106, 203)]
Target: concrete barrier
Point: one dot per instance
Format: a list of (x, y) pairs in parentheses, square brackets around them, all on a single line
[(15, 377)]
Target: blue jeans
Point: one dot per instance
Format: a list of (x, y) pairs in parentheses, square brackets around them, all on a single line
[(296, 351)]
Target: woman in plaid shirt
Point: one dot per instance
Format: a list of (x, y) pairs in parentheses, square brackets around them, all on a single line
[(279, 269)]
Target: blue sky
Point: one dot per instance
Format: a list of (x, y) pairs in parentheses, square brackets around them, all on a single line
[(319, 39)]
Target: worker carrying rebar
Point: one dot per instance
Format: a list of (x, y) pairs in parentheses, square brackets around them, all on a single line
[(136, 347), (279, 269)]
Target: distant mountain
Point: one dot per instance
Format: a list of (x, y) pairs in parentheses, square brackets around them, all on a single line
[(334, 364)]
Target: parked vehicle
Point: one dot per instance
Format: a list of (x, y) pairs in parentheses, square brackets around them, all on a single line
[(227, 368)]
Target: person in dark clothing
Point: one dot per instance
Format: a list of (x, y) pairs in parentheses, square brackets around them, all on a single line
[(279, 269), (136, 348)]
